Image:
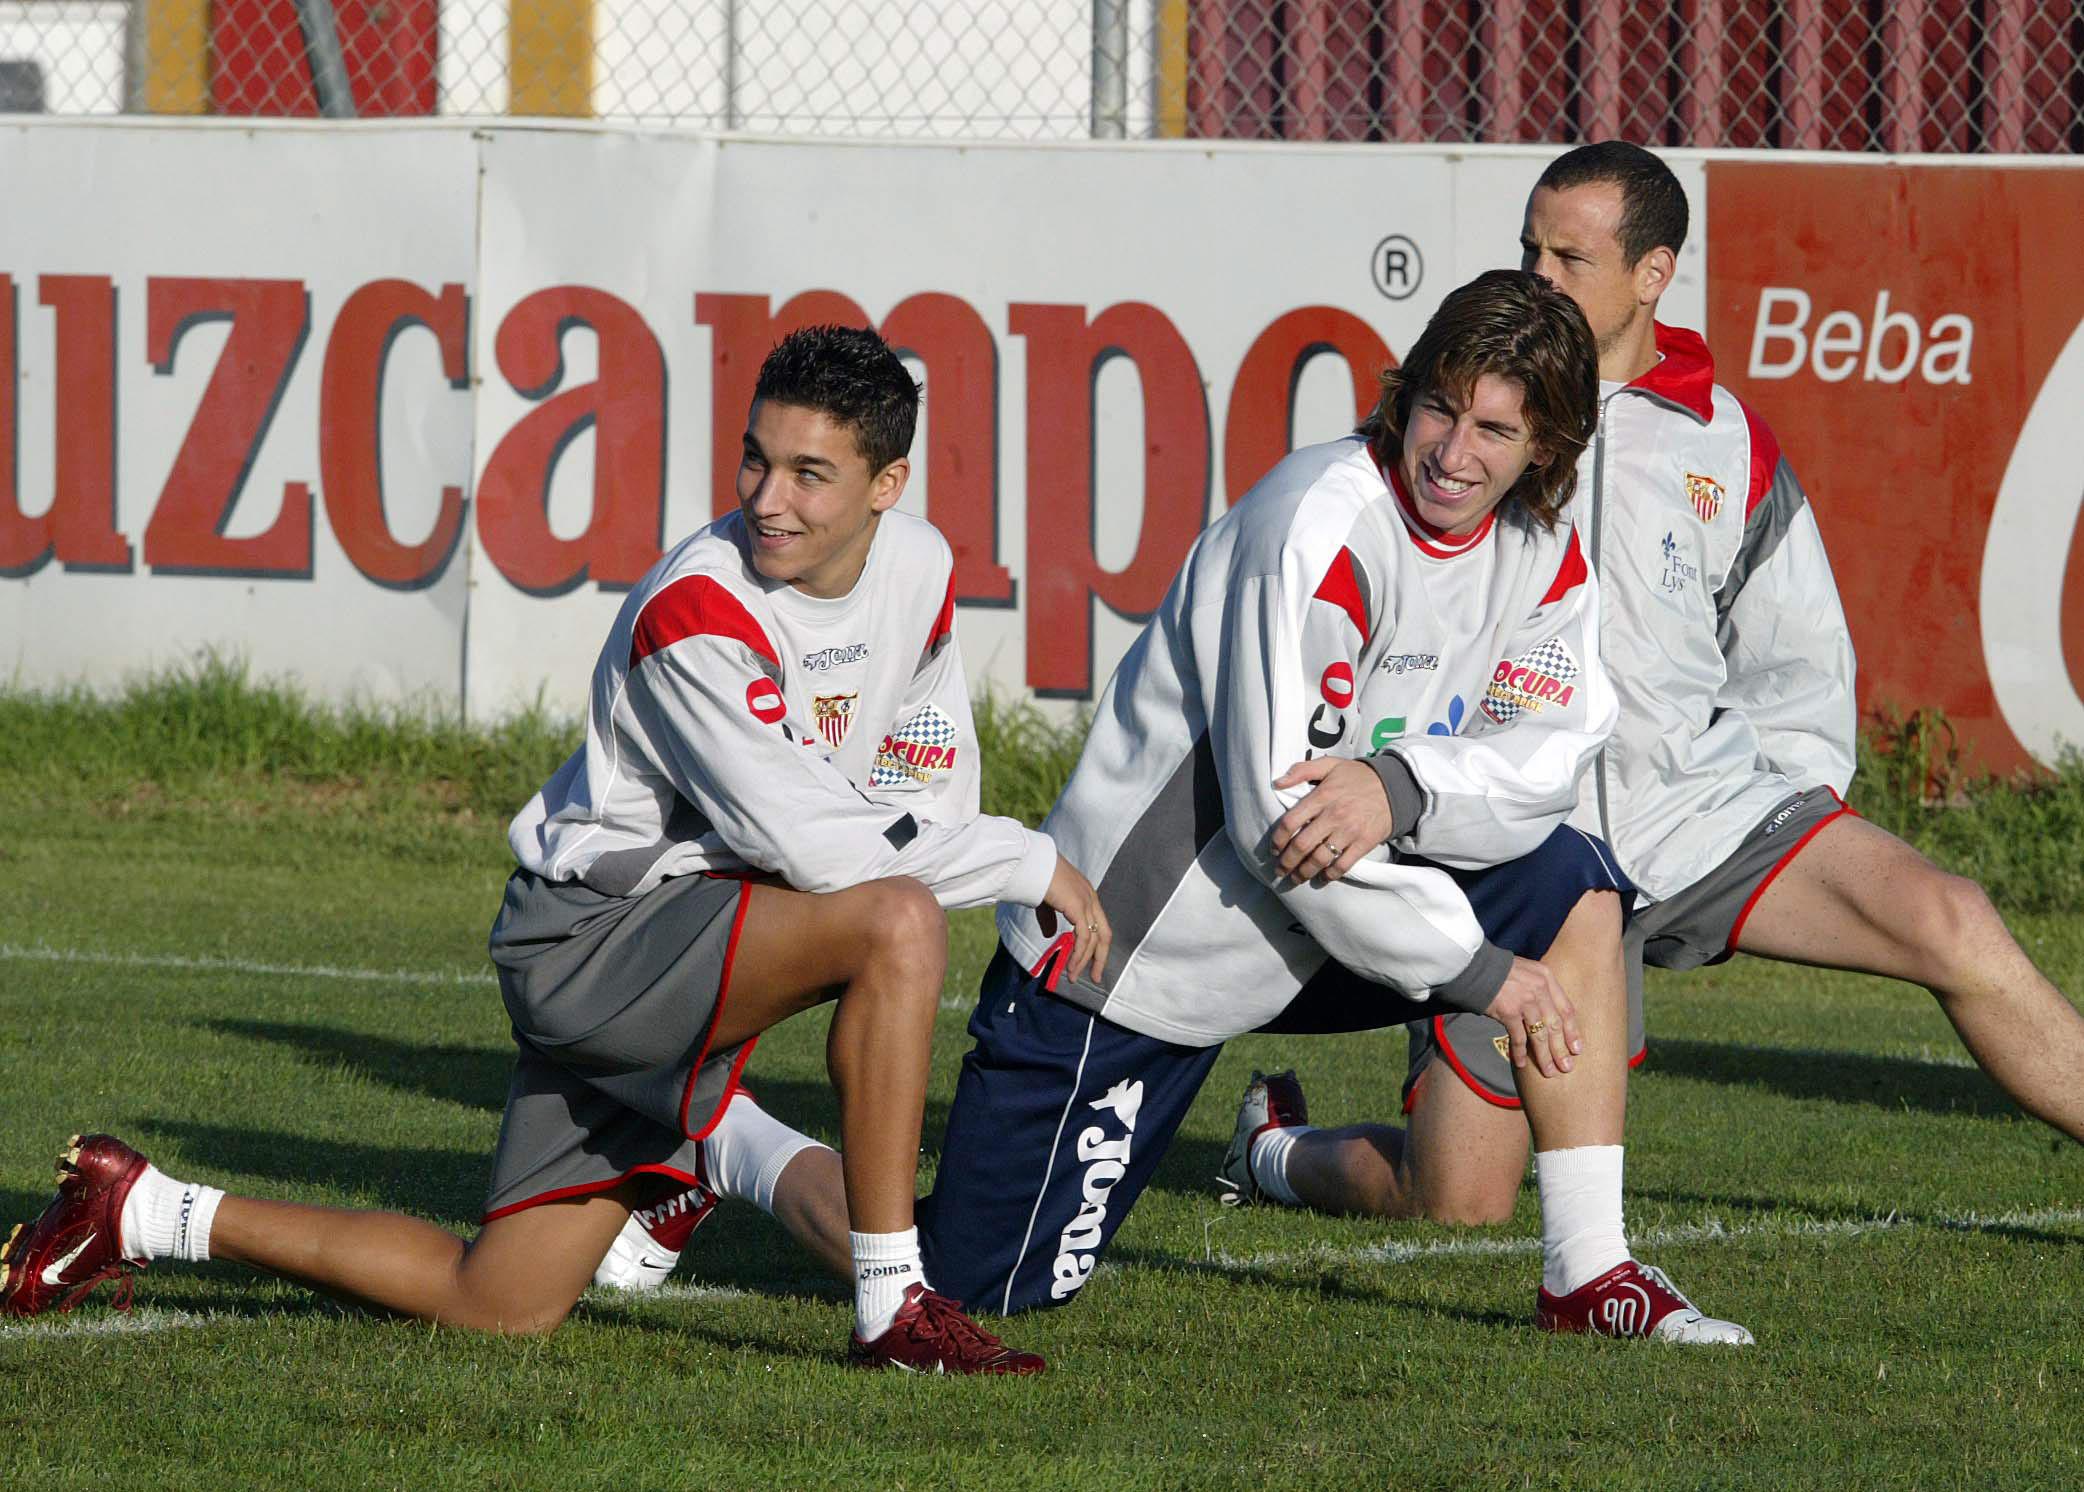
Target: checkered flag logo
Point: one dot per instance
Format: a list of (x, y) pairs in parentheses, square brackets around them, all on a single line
[(893, 764), (1501, 706), (1553, 659), (1515, 690)]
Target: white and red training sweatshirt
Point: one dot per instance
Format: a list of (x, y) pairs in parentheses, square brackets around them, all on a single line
[(1320, 615), (738, 724)]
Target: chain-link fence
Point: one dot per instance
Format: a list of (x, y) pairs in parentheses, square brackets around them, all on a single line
[(1894, 75)]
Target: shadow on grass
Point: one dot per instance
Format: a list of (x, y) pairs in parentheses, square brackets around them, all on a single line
[(1190, 1167), (428, 1182), (232, 1290), (468, 1075), (720, 1323), (1838, 1077), (1324, 1281), (477, 1078)]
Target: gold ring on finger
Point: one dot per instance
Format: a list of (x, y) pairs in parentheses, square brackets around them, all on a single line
[(1535, 1028)]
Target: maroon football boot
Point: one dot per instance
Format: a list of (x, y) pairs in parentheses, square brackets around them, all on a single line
[(1634, 1300), (932, 1335), (54, 1262)]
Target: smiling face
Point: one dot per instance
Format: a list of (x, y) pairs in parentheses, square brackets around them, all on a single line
[(1461, 458), (810, 499)]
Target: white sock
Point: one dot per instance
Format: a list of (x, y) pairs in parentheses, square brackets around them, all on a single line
[(746, 1153), (1268, 1161), (168, 1219), (1581, 1233), (885, 1264)]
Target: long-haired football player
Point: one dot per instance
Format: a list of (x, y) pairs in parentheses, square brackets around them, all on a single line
[(1401, 616)]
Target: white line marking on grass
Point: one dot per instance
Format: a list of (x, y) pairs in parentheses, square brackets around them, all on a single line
[(114, 1324), (43, 953), (672, 1290), (1711, 1230)]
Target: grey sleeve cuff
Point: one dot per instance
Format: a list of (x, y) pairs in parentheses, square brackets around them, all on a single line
[(1476, 986), (1407, 800)]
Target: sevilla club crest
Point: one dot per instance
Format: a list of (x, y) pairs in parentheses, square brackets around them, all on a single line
[(834, 713), (1705, 493)]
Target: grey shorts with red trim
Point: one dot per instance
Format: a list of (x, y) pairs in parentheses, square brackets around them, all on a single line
[(613, 1000), (1698, 926)]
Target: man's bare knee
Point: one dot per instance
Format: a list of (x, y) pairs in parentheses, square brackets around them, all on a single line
[(906, 926), (1949, 922)]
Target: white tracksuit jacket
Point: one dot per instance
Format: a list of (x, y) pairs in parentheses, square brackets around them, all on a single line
[(1319, 616), (736, 724), (1720, 624)]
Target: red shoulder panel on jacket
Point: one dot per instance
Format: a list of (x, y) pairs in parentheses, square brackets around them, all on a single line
[(1570, 574), (1341, 587), (943, 624), (1765, 459), (696, 606)]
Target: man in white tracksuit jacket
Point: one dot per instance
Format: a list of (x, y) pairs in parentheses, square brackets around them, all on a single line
[(1721, 790)]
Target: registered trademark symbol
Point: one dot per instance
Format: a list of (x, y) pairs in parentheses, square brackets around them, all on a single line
[(1397, 267)]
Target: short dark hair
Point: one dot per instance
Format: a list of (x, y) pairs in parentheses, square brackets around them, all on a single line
[(1653, 205), (849, 375), (1513, 324)]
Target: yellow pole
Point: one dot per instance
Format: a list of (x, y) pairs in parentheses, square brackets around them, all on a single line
[(177, 56), (1172, 69), (550, 57)]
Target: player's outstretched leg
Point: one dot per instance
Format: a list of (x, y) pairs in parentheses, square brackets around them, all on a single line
[(115, 1213), (883, 947), (1461, 1161), (1277, 1156), (1857, 897)]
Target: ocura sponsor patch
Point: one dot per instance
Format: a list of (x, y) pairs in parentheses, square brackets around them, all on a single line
[(1541, 678), (923, 746), (834, 713), (1705, 493)]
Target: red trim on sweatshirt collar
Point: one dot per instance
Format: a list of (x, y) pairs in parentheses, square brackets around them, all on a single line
[(1437, 542), (1684, 373)]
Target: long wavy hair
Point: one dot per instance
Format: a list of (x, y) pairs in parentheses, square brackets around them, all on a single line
[(1510, 324)]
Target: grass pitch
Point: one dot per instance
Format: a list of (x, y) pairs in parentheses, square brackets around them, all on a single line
[(272, 978)]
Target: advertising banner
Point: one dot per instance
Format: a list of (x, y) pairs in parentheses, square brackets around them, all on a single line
[(235, 404), (402, 411), (1915, 336)]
